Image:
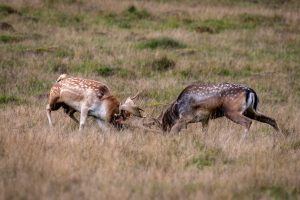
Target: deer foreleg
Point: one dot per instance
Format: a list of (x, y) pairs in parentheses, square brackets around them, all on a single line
[(49, 115), (83, 116), (205, 126), (178, 126), (71, 114)]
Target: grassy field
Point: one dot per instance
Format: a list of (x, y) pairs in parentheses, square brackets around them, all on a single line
[(158, 47)]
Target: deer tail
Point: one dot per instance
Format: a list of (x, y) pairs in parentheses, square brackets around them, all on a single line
[(61, 77), (252, 99)]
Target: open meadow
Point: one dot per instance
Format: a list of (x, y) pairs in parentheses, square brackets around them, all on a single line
[(157, 47)]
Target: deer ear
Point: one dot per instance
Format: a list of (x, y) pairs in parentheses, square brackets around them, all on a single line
[(130, 107)]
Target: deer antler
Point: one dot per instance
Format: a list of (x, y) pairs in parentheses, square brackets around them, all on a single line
[(137, 123), (136, 95)]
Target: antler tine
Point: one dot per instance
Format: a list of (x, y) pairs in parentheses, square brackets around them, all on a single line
[(136, 95)]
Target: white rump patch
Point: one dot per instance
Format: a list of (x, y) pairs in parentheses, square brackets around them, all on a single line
[(250, 100), (61, 77)]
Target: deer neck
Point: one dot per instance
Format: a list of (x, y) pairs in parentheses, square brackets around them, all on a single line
[(112, 107), (170, 116)]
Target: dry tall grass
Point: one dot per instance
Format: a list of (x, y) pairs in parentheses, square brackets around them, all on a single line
[(230, 40)]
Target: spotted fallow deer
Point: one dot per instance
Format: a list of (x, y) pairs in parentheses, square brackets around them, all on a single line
[(201, 102), (90, 98)]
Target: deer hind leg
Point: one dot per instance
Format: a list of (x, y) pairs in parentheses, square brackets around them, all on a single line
[(238, 118), (70, 112), (251, 113)]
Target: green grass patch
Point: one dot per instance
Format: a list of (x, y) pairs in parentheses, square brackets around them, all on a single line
[(275, 94), (133, 17), (276, 192), (162, 64), (248, 3), (244, 72), (176, 22), (193, 73), (5, 99), (295, 145), (252, 21), (186, 73), (55, 16), (17, 49), (125, 73), (56, 66), (207, 156), (64, 53), (51, 2), (290, 53), (267, 3), (59, 52), (7, 10), (243, 21), (136, 18), (128, 18), (115, 20), (133, 12), (86, 67), (10, 38), (105, 71), (38, 87), (225, 72), (163, 43), (150, 68), (192, 187), (89, 67), (216, 25), (162, 96), (65, 19), (203, 160)]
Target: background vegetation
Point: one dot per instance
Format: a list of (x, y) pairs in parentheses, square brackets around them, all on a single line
[(158, 47)]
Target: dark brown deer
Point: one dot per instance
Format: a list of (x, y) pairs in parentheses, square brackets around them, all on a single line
[(90, 98), (202, 102)]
